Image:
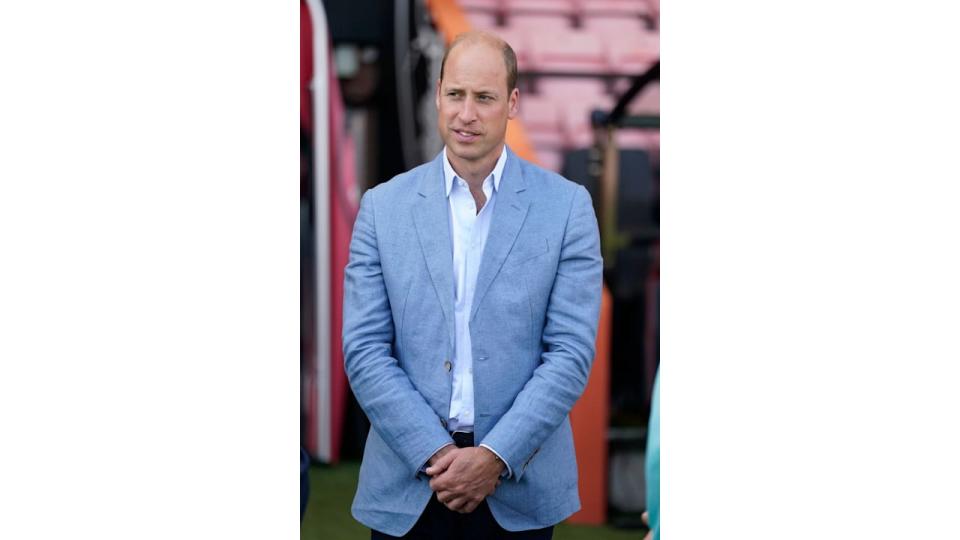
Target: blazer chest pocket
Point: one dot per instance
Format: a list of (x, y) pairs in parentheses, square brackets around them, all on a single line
[(525, 254)]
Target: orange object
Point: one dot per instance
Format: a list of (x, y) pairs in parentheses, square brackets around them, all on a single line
[(449, 18), (590, 418)]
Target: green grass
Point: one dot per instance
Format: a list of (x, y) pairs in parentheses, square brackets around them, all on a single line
[(331, 492)]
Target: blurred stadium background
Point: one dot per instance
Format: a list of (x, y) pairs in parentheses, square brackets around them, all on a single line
[(589, 109)]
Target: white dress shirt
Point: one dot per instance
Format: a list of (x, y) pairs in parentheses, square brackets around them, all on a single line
[(468, 230)]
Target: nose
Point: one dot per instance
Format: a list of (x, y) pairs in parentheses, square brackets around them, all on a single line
[(468, 112)]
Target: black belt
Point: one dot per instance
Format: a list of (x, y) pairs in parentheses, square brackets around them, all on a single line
[(461, 439)]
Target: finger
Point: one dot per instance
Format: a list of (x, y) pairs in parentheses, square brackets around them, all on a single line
[(469, 507), (444, 481), (442, 463), (445, 496), (456, 504), (449, 497)]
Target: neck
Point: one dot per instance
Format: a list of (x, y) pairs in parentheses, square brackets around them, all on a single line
[(474, 172)]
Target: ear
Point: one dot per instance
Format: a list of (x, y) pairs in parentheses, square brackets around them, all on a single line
[(437, 95), (513, 103)]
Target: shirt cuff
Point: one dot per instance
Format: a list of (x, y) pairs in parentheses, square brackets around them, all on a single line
[(423, 468), (507, 472)]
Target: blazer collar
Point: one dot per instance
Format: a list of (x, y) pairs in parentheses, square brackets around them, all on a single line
[(433, 181), (508, 217), (431, 217), (449, 174)]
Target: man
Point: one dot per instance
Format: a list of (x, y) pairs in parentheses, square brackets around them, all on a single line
[(471, 303)]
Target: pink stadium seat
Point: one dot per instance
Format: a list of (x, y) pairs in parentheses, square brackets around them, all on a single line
[(575, 52), (582, 138), (530, 22), (620, 86), (544, 140), (654, 6), (519, 41), (576, 123), (610, 25), (633, 52), (566, 89), (549, 158), (482, 20), (471, 5), (574, 99), (539, 114), (613, 7), (559, 7), (655, 141), (576, 118), (647, 102), (634, 139), (542, 120)]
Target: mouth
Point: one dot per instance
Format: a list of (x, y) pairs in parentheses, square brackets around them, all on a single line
[(464, 136)]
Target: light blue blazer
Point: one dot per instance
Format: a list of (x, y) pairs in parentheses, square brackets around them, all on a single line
[(533, 327)]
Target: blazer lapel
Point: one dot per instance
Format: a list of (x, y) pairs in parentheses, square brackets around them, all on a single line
[(432, 220), (508, 215)]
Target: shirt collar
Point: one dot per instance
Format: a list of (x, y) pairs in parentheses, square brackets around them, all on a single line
[(449, 174)]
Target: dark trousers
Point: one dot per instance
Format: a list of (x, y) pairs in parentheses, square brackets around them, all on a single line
[(440, 523)]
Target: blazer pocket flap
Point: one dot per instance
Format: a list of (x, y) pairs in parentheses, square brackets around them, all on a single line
[(525, 253)]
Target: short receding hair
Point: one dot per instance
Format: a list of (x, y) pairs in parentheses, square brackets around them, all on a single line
[(509, 57)]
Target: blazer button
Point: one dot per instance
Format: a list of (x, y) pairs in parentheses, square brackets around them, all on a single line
[(447, 366)]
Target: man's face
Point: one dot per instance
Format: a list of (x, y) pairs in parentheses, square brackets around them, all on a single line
[(473, 104)]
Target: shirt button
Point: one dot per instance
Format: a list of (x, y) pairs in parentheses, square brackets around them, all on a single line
[(447, 365)]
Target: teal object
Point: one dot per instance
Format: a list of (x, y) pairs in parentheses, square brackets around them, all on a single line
[(653, 460)]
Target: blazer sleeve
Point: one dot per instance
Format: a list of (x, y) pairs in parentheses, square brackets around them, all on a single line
[(569, 336), (396, 410)]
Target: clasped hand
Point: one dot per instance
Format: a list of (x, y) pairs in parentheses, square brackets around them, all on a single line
[(463, 477)]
